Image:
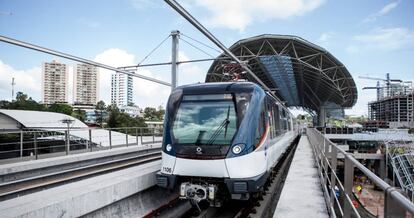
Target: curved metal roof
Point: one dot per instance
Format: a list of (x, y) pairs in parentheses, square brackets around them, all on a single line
[(41, 119), (301, 73)]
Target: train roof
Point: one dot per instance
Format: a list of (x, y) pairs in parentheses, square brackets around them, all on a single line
[(215, 87)]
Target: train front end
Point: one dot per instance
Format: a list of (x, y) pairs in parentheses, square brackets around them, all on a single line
[(207, 127)]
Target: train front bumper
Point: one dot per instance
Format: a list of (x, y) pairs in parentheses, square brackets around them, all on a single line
[(241, 188), (166, 180)]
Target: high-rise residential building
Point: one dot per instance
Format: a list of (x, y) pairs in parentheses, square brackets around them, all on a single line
[(85, 84), (121, 89), (54, 82)]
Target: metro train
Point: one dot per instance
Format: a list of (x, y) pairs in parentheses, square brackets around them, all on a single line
[(221, 140)]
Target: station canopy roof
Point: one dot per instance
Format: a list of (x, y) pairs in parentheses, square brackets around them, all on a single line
[(302, 74), (18, 119)]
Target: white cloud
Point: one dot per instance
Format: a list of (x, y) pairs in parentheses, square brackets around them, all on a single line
[(238, 14), (385, 10), (325, 37), (189, 72), (27, 81), (145, 93), (364, 96), (383, 39)]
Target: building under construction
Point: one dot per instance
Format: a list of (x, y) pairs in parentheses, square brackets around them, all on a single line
[(394, 104)]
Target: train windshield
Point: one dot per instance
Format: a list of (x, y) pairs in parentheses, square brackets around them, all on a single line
[(205, 120)]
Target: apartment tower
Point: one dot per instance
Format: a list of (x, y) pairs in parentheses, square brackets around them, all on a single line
[(85, 84), (121, 89), (54, 82)]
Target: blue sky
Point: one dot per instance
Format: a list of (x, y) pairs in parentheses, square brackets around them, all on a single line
[(370, 37)]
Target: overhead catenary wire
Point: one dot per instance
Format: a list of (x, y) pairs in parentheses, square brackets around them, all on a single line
[(199, 49), (132, 68), (177, 7), (75, 58), (202, 43), (153, 50)]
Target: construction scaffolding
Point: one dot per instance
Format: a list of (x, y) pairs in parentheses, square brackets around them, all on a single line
[(394, 104)]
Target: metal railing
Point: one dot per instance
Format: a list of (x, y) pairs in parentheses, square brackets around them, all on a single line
[(42, 143), (341, 204), (401, 157)]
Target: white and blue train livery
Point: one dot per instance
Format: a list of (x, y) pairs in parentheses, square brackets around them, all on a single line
[(221, 140)]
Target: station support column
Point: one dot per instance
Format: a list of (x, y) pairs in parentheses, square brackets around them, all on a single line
[(322, 116), (174, 58)]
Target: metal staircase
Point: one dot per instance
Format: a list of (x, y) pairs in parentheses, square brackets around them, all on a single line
[(401, 158)]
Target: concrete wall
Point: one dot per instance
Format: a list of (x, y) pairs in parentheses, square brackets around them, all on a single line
[(83, 197), (54, 162)]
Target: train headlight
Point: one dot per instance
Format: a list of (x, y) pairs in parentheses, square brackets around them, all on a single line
[(237, 149), (168, 147)]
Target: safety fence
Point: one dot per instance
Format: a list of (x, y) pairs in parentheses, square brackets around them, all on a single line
[(50, 142), (338, 192)]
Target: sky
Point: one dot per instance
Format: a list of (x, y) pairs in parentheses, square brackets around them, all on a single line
[(371, 38)]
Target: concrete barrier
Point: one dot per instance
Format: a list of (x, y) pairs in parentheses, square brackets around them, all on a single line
[(20, 170), (83, 197)]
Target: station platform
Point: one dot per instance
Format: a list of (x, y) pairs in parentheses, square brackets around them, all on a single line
[(302, 194)]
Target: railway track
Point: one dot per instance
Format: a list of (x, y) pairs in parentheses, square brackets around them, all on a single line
[(29, 185), (262, 206)]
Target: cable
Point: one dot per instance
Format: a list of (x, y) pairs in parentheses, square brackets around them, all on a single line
[(153, 50), (197, 47), (201, 43)]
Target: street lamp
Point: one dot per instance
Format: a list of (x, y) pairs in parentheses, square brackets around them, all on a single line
[(68, 122)]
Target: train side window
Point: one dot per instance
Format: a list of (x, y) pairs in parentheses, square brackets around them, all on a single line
[(242, 103), (289, 123), (269, 115), (276, 118), (261, 127), (284, 120)]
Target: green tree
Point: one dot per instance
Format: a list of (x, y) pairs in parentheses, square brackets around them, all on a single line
[(61, 108), (114, 113), (120, 119), (153, 114), (150, 113), (79, 114), (140, 122), (23, 102), (4, 104), (99, 112), (160, 113)]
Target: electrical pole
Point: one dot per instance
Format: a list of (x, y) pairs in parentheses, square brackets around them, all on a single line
[(67, 134), (175, 34), (12, 83)]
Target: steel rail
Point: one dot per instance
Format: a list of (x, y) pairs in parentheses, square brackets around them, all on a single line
[(78, 59)]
